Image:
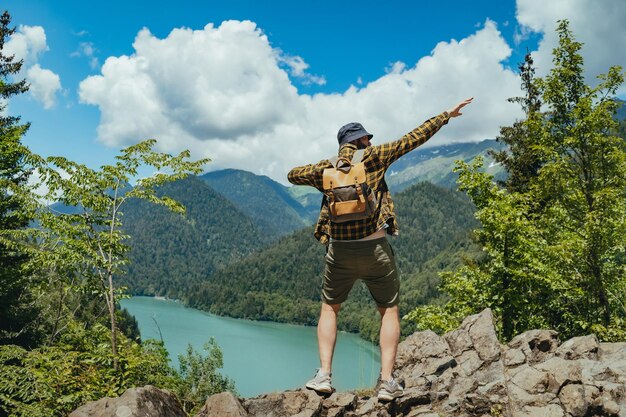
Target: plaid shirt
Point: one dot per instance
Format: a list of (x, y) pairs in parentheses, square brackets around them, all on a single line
[(376, 159)]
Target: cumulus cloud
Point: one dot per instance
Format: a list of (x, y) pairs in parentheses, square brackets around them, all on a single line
[(224, 92), (599, 25), (26, 44), (44, 85)]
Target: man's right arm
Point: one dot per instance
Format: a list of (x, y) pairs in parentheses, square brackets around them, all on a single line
[(309, 174)]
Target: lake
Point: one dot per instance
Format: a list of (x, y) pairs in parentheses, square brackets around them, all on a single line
[(260, 357)]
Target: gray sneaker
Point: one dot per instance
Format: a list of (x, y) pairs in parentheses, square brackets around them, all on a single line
[(388, 390), (320, 382)]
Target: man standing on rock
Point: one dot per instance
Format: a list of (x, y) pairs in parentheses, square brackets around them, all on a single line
[(359, 249)]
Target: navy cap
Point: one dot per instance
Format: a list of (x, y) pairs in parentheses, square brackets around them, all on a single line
[(352, 131)]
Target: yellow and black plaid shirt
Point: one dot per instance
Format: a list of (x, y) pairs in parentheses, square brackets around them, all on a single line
[(376, 159)]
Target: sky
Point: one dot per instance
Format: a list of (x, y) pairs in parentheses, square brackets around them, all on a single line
[(265, 85)]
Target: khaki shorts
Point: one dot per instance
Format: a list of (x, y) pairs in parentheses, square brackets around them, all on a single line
[(372, 261)]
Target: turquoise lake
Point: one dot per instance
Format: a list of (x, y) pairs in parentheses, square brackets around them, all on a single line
[(260, 357)]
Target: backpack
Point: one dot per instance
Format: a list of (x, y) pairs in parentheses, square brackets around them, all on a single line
[(345, 188)]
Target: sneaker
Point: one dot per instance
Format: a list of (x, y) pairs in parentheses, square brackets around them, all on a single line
[(320, 382), (388, 390)]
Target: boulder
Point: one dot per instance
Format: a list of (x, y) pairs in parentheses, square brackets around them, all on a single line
[(536, 345), (145, 401), (583, 347), (224, 404)]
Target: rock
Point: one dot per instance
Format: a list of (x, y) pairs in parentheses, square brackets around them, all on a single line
[(459, 341), (343, 400), (145, 401), (286, 404), (411, 398), (513, 357), (551, 410), (224, 404), (583, 347), (469, 362), (531, 380), (483, 335), (561, 372), (536, 345), (572, 398)]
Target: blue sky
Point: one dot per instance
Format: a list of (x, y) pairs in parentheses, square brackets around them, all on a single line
[(266, 85)]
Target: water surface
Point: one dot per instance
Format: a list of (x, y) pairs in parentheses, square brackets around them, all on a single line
[(259, 356)]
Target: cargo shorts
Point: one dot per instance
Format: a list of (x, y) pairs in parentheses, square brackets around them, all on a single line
[(372, 261)]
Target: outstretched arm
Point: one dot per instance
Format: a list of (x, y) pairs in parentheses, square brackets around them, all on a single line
[(309, 174), (390, 152)]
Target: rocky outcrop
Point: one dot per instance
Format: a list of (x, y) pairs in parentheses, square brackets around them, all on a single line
[(466, 373), (145, 401)]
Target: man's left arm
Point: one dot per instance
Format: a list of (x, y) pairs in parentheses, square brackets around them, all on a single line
[(309, 174), (389, 152)]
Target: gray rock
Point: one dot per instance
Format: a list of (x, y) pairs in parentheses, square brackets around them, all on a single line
[(343, 400), (531, 380), (561, 372), (145, 401), (583, 347), (421, 345), (286, 404), (411, 398), (459, 341), (224, 404), (513, 357), (469, 362), (551, 410), (483, 335), (572, 398), (537, 345)]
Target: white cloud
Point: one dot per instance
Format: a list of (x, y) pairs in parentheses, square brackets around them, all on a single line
[(222, 92), (26, 44), (44, 85), (88, 50), (599, 25)]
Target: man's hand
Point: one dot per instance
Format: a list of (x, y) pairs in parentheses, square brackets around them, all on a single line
[(456, 110)]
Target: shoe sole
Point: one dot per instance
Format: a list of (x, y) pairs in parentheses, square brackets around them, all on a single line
[(389, 397), (325, 389)]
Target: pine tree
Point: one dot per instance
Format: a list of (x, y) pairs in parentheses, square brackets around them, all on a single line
[(15, 313)]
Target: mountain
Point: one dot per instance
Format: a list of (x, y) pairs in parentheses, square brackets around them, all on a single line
[(435, 164), (282, 282), (264, 200), (170, 252)]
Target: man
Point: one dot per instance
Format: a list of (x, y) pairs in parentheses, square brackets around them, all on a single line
[(359, 249)]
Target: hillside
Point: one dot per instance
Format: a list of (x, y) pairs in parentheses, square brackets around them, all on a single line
[(282, 282), (262, 199), (170, 252)]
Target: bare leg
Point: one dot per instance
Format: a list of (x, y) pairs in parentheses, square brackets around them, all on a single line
[(389, 338), (327, 334)]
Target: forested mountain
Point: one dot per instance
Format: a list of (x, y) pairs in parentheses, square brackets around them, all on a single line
[(264, 200), (282, 282), (170, 252)]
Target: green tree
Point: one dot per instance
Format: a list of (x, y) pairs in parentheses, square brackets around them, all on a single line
[(87, 243), (199, 376), (554, 246), (16, 312)]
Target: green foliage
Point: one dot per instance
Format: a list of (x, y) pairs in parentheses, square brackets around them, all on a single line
[(554, 238), (17, 314), (199, 377), (55, 380)]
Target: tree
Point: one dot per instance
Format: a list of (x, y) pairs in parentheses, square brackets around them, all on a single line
[(88, 244), (16, 312), (199, 377), (555, 235)]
